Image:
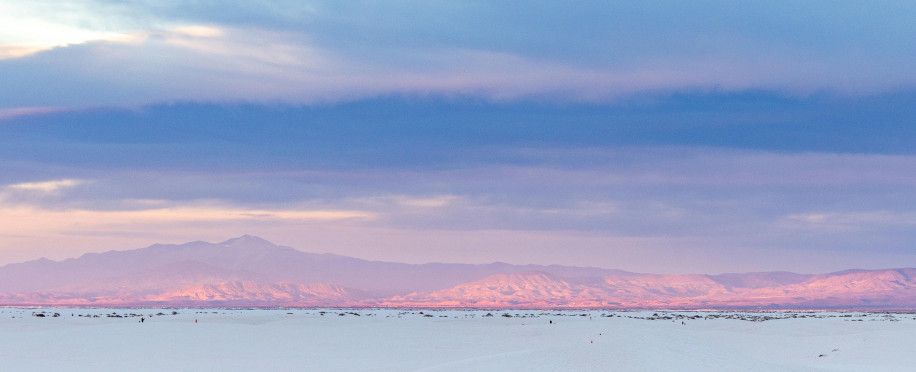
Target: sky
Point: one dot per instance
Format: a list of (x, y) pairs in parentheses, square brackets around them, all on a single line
[(661, 137)]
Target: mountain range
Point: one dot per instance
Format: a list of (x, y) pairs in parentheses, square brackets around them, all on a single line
[(250, 271)]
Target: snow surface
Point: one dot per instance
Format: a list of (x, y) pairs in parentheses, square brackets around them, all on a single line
[(451, 340)]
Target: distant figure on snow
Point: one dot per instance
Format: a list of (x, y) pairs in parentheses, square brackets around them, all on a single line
[(142, 320)]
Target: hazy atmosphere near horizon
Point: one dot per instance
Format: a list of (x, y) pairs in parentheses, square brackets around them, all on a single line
[(662, 137)]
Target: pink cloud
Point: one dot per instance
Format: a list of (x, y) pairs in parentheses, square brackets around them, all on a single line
[(15, 112)]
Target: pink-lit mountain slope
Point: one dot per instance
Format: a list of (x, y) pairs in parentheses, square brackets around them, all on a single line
[(273, 275), (857, 289), (522, 290), (254, 294), (249, 271)]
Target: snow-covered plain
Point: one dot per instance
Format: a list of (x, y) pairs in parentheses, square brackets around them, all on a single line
[(214, 339)]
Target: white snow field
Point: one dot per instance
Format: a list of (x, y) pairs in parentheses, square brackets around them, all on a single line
[(451, 340)]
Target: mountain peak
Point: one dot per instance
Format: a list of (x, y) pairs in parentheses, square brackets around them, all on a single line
[(248, 241)]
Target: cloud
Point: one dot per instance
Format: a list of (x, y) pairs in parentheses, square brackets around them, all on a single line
[(852, 221), (206, 63), (138, 53), (409, 201), (46, 186), (17, 51), (15, 112), (31, 220), (675, 129), (31, 27), (191, 63), (648, 209)]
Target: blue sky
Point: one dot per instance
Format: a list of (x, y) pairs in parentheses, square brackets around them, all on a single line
[(665, 137)]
